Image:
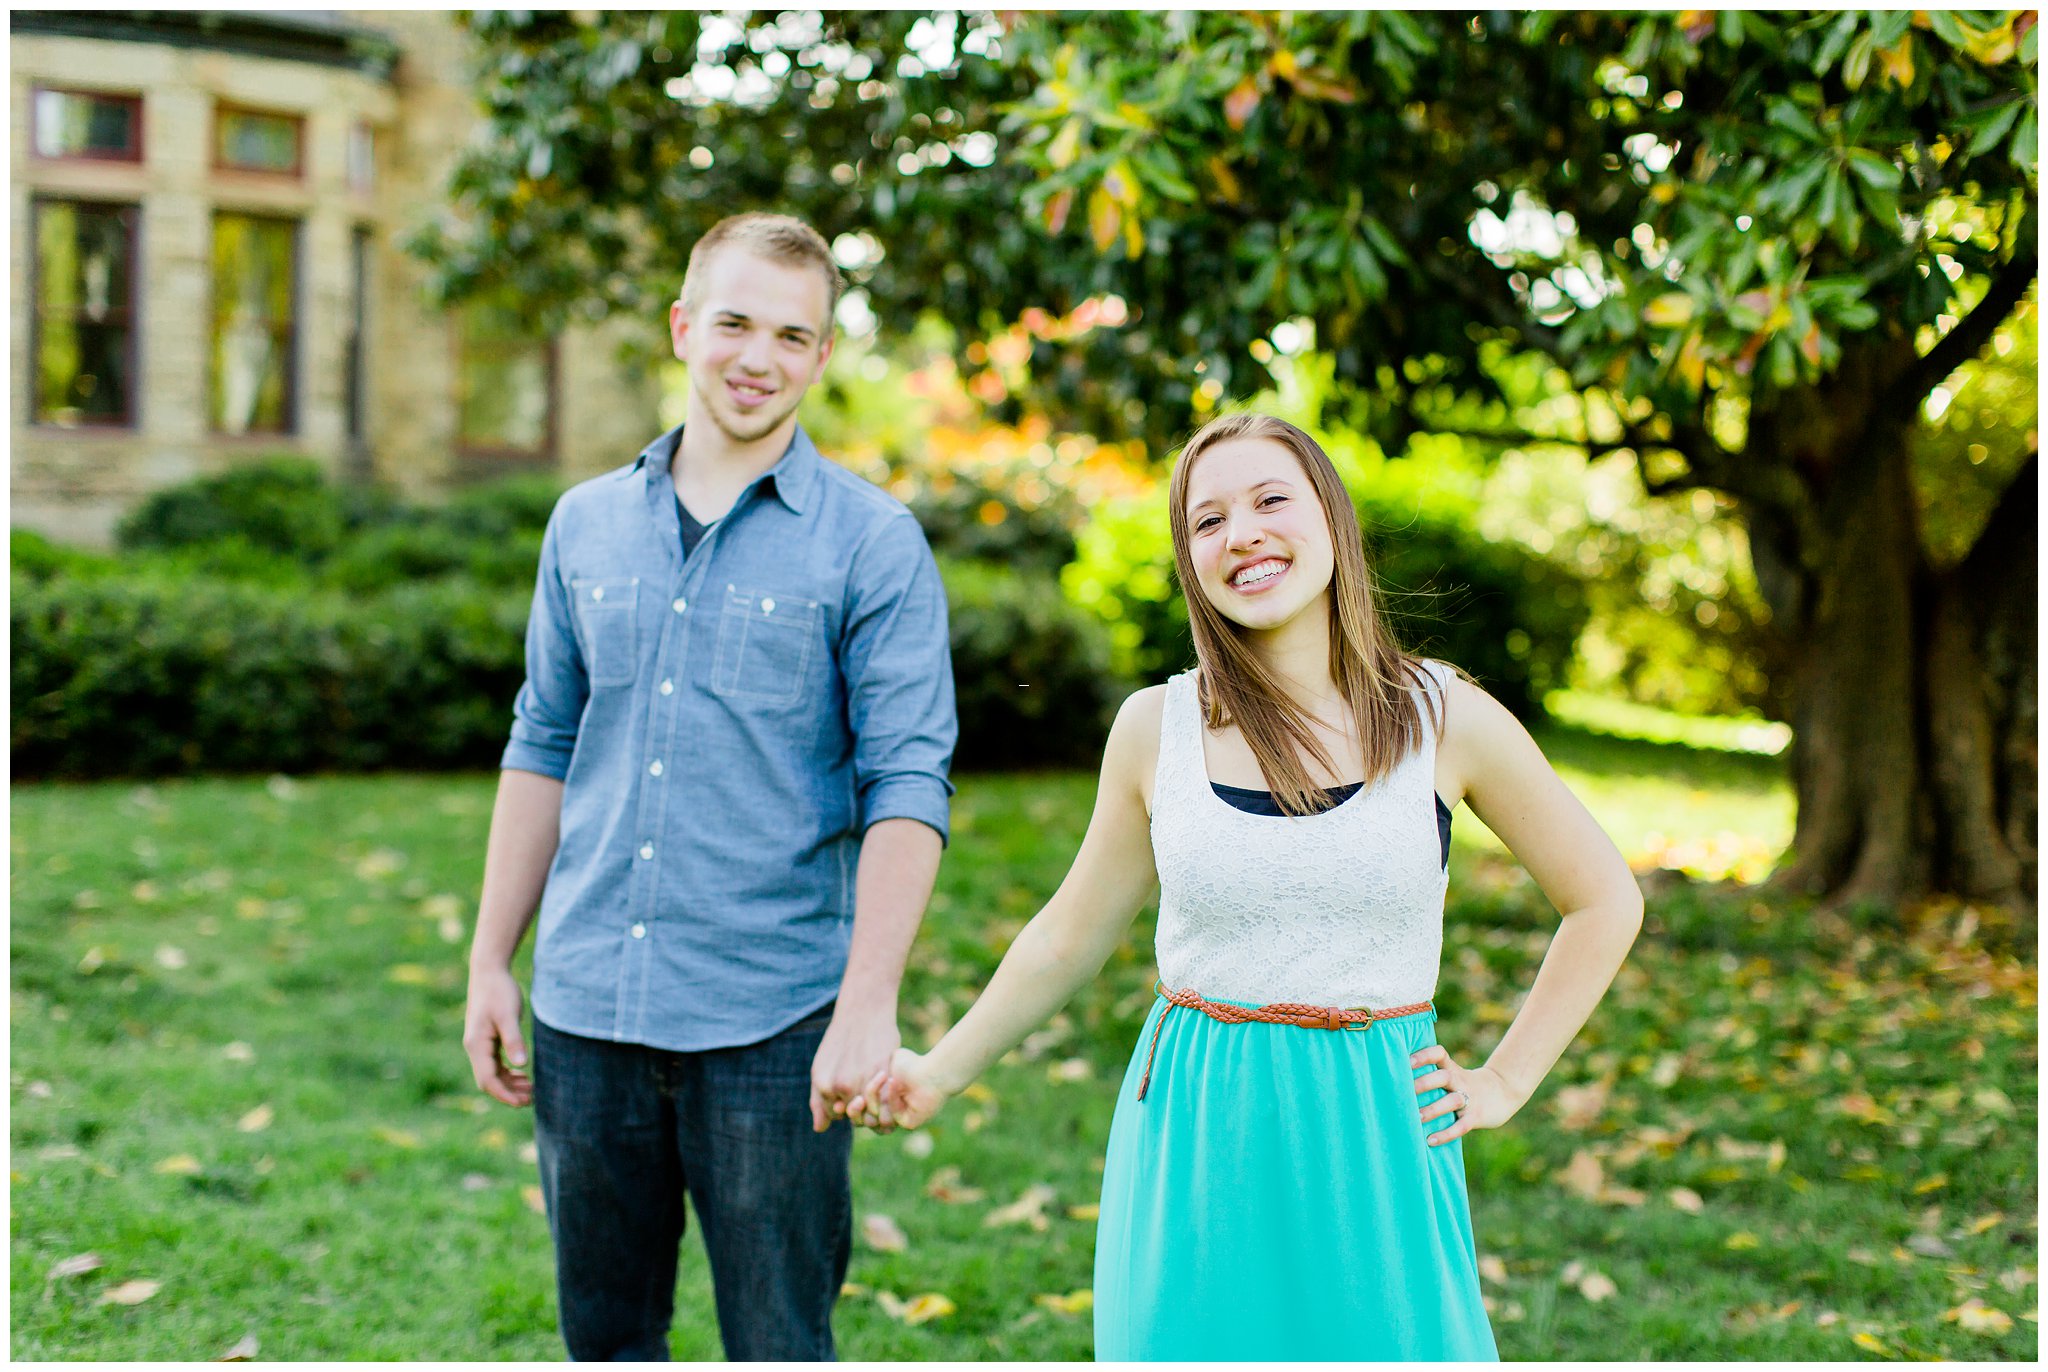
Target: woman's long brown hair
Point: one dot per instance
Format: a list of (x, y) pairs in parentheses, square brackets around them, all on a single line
[(1368, 666)]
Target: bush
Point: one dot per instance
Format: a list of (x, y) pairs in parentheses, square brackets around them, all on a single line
[(156, 674), (971, 519), (1031, 673), (282, 504), (35, 557)]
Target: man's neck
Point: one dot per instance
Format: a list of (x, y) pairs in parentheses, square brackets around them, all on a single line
[(711, 468)]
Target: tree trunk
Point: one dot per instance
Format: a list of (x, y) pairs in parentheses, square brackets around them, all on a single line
[(1912, 691)]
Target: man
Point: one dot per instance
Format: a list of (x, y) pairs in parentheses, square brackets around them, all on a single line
[(726, 791)]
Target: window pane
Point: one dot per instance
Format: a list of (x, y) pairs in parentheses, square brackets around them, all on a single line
[(83, 262), (504, 383), (81, 372), (82, 313), (362, 158), (254, 279), (258, 142), (75, 124)]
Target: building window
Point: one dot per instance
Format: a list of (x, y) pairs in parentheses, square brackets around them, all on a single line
[(362, 159), (255, 306), (84, 325), (506, 384), (252, 140), (86, 124)]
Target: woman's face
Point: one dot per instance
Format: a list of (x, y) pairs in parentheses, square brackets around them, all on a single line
[(1258, 536)]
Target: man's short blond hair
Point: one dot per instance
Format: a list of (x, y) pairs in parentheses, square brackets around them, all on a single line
[(779, 238)]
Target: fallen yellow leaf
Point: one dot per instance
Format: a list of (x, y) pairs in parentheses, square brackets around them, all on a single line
[(1686, 1199), (945, 1188), (1583, 1175), (257, 1120), (1493, 1269), (1084, 1212), (411, 974), (1870, 1343), (397, 1138), (1597, 1286), (917, 1310), (1933, 1183), (1984, 1222), (883, 1234), (243, 1351), (535, 1200), (178, 1165), (131, 1293), (1073, 1303), (1978, 1317), (1028, 1208), (1743, 1239)]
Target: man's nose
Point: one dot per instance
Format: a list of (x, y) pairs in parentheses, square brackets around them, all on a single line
[(757, 352)]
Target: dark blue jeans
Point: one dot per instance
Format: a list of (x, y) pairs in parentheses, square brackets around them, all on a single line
[(625, 1130)]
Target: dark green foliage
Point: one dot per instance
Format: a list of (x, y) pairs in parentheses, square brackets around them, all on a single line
[(155, 674), (1505, 616), (1031, 673), (281, 504), (957, 522)]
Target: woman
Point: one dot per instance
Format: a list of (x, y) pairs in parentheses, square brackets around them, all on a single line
[(1284, 1177)]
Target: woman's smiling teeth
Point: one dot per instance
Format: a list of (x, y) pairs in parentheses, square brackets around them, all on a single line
[(1258, 573)]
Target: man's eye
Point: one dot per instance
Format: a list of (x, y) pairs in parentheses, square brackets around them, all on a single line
[(729, 325)]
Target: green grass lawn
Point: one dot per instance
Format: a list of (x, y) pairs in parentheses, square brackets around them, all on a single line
[(236, 1073)]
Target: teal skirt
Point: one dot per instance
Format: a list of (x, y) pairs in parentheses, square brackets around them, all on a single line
[(1274, 1196)]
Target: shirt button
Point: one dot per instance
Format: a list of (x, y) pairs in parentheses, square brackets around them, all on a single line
[(597, 594), (668, 688), (639, 931), (646, 851), (654, 768), (768, 606), (680, 606)]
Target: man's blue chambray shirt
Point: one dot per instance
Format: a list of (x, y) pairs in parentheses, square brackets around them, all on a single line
[(725, 729)]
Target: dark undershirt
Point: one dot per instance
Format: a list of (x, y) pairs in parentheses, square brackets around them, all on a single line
[(1262, 803), (693, 532)]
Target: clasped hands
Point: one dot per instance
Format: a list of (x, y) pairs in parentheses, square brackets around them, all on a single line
[(862, 1073)]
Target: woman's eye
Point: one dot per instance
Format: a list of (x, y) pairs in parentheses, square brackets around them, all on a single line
[(1204, 525), (1272, 500)]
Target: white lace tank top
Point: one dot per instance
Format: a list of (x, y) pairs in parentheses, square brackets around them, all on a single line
[(1342, 908)]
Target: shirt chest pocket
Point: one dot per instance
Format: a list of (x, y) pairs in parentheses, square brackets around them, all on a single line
[(607, 612), (765, 645)]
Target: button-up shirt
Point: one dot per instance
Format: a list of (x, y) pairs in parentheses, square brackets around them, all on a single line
[(726, 727)]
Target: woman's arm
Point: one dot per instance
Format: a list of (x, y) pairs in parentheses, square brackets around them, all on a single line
[(1066, 943), (1511, 786)]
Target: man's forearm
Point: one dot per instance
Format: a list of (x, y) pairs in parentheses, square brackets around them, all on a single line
[(526, 826), (899, 861)]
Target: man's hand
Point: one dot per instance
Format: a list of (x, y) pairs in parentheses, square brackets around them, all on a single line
[(857, 1046), (490, 1035)]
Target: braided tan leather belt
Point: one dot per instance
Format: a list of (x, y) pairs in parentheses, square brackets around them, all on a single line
[(1284, 1012)]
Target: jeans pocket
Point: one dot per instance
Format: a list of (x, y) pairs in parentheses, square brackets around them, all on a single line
[(608, 612), (764, 645)]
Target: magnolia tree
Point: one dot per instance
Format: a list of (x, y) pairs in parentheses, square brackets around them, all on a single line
[(1751, 245)]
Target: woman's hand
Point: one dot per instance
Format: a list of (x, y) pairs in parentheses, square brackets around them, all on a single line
[(1479, 1098), (903, 1097)]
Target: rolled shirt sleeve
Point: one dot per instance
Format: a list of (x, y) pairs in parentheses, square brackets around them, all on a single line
[(549, 707), (899, 678)]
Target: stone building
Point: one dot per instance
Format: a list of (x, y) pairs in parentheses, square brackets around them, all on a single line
[(208, 213)]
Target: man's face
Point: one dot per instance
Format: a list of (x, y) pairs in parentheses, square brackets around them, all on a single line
[(758, 338)]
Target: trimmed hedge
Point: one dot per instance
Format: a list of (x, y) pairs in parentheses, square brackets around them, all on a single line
[(150, 674)]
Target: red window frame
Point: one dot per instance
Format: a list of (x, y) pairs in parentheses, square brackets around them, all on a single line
[(129, 98), (298, 167)]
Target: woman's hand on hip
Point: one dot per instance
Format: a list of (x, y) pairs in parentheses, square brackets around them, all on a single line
[(1479, 1098)]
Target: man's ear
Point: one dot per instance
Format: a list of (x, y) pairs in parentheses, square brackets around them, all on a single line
[(678, 327), (825, 352)]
